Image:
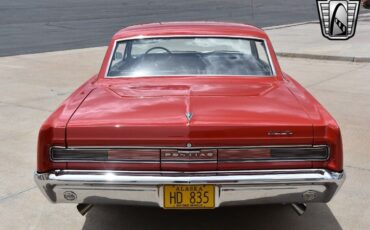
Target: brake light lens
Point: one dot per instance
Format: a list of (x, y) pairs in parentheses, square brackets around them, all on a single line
[(274, 154), (252, 154), (105, 155)]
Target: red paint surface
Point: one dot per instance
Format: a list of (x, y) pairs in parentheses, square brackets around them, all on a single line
[(227, 111)]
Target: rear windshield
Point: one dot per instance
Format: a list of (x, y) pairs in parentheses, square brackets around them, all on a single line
[(189, 56)]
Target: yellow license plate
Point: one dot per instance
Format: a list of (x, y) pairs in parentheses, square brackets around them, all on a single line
[(189, 196)]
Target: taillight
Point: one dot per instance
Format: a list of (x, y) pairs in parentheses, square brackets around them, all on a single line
[(274, 154), (105, 155), (190, 159)]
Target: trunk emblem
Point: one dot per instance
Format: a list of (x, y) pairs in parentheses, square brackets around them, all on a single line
[(189, 115), (280, 133), (188, 155)]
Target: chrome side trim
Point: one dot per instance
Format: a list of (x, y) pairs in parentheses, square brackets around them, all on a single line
[(188, 161), (110, 161), (232, 187), (241, 160), (186, 147)]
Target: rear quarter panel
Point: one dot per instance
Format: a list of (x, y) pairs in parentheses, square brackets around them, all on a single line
[(53, 130), (326, 129)]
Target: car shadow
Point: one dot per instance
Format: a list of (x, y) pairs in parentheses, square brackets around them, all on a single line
[(317, 216)]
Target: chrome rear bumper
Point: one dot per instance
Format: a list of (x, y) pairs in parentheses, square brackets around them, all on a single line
[(232, 187)]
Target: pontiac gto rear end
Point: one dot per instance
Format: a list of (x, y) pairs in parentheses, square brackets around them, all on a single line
[(190, 115)]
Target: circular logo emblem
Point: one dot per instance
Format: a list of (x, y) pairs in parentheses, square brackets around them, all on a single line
[(309, 195), (69, 195)]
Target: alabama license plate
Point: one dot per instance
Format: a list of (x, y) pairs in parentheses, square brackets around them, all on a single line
[(188, 196)]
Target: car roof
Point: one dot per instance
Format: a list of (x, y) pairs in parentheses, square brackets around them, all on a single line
[(197, 28)]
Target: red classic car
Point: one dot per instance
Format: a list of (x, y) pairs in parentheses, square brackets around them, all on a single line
[(190, 115)]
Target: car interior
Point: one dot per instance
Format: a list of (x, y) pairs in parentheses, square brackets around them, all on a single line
[(158, 60)]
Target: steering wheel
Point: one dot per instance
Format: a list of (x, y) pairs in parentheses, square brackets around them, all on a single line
[(157, 48)]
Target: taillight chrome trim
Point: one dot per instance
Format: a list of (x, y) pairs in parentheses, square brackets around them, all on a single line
[(125, 161), (183, 147), (293, 156), (159, 148)]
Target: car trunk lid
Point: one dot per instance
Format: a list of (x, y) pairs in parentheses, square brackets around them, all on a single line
[(190, 114)]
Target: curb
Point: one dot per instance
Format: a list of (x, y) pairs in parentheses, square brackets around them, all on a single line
[(360, 17), (319, 56), (289, 25), (323, 57)]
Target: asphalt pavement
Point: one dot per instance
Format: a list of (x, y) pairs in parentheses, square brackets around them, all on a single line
[(49, 25)]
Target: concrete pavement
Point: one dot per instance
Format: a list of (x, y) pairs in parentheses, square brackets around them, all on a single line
[(306, 41), (31, 86)]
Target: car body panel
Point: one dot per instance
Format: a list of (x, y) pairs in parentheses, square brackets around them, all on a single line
[(232, 133), (242, 112), (226, 110)]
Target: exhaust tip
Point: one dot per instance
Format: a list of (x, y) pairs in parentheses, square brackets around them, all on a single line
[(84, 208), (299, 208)]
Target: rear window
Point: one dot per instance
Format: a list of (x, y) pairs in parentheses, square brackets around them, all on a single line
[(190, 56)]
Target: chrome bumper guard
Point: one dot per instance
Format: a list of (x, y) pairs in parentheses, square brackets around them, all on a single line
[(232, 187)]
